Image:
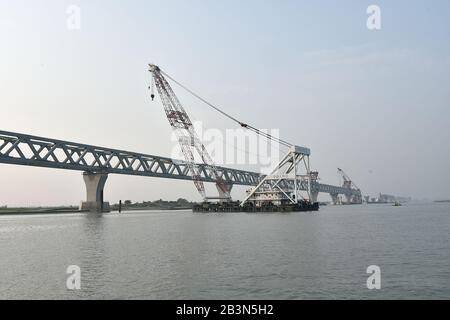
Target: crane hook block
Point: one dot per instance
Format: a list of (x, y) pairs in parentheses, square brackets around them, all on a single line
[(152, 96)]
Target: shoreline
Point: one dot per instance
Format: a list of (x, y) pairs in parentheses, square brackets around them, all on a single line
[(71, 210)]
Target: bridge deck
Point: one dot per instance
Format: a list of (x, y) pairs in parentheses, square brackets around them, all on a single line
[(23, 149)]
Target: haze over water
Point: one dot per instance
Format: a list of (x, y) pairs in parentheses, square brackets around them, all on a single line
[(184, 255)]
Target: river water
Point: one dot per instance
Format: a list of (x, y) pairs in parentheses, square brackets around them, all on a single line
[(185, 255)]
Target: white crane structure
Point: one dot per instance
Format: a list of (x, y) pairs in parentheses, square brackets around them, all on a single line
[(285, 185), (352, 198), (289, 185)]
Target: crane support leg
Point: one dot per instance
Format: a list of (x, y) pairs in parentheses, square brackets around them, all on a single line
[(95, 183), (314, 196)]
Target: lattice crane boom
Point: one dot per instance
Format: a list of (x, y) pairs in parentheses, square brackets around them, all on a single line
[(185, 132)]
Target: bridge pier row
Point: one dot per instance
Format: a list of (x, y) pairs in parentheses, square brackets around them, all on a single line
[(95, 183)]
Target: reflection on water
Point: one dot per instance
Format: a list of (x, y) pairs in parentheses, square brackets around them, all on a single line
[(163, 255)]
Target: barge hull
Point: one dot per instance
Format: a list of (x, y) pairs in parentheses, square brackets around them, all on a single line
[(235, 206)]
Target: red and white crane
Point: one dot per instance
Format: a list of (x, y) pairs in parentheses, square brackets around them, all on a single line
[(186, 135), (282, 186)]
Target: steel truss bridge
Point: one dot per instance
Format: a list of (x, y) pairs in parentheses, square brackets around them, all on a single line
[(97, 162)]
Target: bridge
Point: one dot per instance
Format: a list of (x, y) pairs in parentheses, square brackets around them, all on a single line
[(97, 162)]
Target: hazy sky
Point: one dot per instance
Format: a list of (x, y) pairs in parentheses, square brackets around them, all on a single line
[(376, 103)]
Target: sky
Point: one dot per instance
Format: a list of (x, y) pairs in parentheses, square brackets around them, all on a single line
[(373, 102)]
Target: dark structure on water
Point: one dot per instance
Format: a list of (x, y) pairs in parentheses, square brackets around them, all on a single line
[(235, 206)]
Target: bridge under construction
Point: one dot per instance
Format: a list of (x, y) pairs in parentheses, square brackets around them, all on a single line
[(96, 163), (291, 185)]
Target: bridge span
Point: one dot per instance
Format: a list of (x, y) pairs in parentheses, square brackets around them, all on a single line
[(97, 162)]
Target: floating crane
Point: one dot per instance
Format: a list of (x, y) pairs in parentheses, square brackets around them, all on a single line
[(280, 189), (348, 183)]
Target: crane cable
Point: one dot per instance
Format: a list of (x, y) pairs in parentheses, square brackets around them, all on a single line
[(193, 116), (242, 124)]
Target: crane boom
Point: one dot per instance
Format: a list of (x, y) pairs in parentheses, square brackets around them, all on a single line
[(185, 132), (347, 181), (242, 124)]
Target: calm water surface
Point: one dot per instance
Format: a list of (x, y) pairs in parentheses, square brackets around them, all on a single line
[(185, 255)]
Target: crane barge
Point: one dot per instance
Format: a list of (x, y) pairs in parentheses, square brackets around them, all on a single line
[(281, 190)]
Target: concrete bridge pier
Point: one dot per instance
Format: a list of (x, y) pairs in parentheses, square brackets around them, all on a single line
[(334, 198), (95, 183), (348, 197)]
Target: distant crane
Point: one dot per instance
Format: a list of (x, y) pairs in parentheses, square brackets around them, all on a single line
[(348, 183)]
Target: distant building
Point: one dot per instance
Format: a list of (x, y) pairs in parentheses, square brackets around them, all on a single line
[(387, 198)]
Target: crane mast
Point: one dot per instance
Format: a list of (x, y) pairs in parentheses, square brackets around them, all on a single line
[(187, 137)]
